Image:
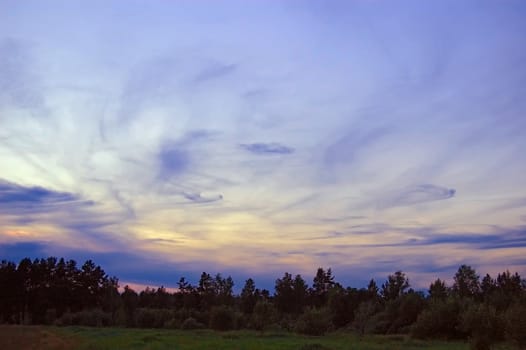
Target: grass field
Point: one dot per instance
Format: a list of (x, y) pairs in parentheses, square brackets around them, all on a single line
[(44, 338)]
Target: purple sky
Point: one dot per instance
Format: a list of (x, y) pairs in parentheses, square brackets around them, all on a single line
[(167, 138)]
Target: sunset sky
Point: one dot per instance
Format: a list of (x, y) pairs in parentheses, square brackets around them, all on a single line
[(165, 138)]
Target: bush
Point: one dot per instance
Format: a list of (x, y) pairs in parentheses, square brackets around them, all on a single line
[(90, 318), (440, 320), (172, 324), (313, 322), (152, 318), (263, 316), (65, 320), (515, 323), (222, 318), (365, 317), (484, 326), (121, 320), (405, 312), (51, 316), (192, 323)]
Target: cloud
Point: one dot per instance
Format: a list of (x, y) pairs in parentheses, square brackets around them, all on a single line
[(18, 83), (198, 198), (21, 199), (515, 203), (175, 157), (173, 160), (150, 82), (417, 195), (215, 71), (267, 148), (20, 250), (498, 238), (83, 220), (506, 239), (347, 148)]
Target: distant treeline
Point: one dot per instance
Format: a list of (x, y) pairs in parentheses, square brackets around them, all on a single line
[(56, 291)]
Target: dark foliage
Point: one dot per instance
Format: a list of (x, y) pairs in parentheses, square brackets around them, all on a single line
[(59, 292), (222, 318), (313, 322), (441, 319), (483, 325), (515, 324), (192, 323)]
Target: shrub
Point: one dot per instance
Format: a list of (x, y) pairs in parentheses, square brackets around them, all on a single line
[(483, 325), (121, 319), (264, 315), (439, 320), (90, 318), (364, 317), (515, 323), (65, 320), (152, 318), (313, 322), (405, 312), (51, 316), (172, 324), (222, 318), (192, 323)]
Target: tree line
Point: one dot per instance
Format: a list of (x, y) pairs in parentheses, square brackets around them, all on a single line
[(483, 311)]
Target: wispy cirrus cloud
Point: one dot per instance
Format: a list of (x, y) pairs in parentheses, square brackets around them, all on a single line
[(416, 195), (20, 199), (266, 148), (215, 71), (19, 85), (78, 220), (353, 144), (199, 198)]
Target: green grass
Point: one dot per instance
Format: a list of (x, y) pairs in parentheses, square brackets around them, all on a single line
[(82, 338), (241, 340)]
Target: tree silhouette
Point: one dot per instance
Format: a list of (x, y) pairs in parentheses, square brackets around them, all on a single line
[(290, 294), (395, 286), (51, 290), (248, 297), (438, 290), (321, 284), (466, 282)]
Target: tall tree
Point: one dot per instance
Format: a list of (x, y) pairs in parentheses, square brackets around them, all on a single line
[(438, 290), (321, 284), (91, 281), (130, 301), (372, 290), (188, 296), (290, 294), (224, 290), (395, 286), (207, 291), (300, 294), (248, 297), (8, 291), (111, 299), (488, 286), (466, 283)]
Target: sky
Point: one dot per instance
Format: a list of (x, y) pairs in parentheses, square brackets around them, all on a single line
[(251, 138)]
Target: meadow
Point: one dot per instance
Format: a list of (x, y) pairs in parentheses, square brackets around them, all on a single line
[(86, 338)]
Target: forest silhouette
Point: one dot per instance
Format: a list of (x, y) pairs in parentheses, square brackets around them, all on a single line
[(58, 292)]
